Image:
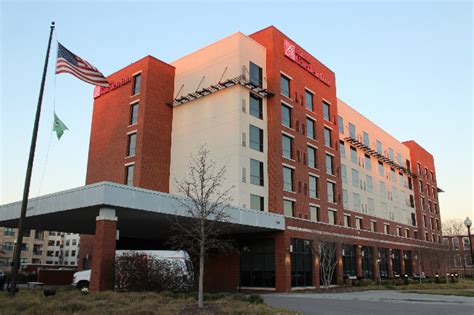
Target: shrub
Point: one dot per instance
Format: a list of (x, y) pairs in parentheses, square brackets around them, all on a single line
[(137, 271), (255, 299)]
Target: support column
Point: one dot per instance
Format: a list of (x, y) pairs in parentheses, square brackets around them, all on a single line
[(390, 264), (103, 268), (282, 262), (402, 263), (339, 266), (316, 266), (376, 263), (358, 254)]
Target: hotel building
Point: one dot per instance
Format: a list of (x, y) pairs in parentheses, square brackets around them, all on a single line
[(268, 111)]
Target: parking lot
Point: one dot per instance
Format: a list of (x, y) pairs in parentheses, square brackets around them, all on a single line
[(372, 302)]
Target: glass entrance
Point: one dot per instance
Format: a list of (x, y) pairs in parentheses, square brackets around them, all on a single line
[(301, 263), (257, 264), (367, 262)]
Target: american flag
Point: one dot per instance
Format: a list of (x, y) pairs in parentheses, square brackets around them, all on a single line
[(67, 62)]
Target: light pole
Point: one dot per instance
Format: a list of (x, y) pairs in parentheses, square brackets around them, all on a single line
[(468, 224)]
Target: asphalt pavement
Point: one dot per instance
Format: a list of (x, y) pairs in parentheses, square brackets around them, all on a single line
[(372, 302)]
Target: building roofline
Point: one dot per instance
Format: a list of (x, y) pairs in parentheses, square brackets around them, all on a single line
[(139, 60)]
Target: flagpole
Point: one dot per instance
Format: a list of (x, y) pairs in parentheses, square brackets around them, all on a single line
[(29, 169)]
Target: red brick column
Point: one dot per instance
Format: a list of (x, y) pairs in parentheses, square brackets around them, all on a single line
[(402, 263), (390, 264), (339, 267), (376, 263), (358, 254), (102, 271), (282, 262)]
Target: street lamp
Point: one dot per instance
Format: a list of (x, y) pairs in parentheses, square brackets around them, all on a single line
[(468, 224)]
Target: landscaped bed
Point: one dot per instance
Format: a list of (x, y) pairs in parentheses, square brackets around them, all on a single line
[(75, 302)]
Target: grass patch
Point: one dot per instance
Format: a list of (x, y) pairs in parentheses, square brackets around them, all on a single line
[(110, 302), (466, 292)]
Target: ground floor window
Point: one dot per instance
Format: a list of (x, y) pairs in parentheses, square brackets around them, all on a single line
[(257, 263), (396, 262), (408, 263), (348, 260), (301, 263), (367, 262), (383, 262)]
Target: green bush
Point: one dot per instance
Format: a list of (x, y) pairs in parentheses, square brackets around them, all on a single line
[(255, 299)]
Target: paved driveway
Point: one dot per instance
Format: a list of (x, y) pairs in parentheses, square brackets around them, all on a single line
[(372, 302)]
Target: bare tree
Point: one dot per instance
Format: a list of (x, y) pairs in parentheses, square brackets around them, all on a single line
[(325, 247), (453, 227), (205, 203)]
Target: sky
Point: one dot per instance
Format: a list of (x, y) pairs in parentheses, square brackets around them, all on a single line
[(406, 66)]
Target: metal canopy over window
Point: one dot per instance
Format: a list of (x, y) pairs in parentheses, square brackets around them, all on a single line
[(239, 80)]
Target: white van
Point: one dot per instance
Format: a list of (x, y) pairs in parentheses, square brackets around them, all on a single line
[(81, 279)]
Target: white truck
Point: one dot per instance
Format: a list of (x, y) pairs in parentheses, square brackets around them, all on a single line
[(81, 279)]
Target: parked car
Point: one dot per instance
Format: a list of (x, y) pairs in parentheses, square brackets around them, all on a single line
[(81, 279)]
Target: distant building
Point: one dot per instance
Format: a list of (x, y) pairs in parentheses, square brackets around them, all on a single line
[(460, 259)]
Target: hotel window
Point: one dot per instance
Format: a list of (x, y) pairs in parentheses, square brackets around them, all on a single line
[(379, 147), (465, 242), (425, 222), (256, 172), (359, 224), (287, 178), (369, 183), (393, 177), (344, 173), (329, 166), (340, 122), (8, 246), (309, 100), (390, 154), (345, 199), (129, 170), (366, 138), (327, 137), (355, 178), (134, 113), (353, 155), (456, 243), (368, 166), (432, 175), (331, 196), (314, 213), (347, 220), (399, 231), (256, 138), (426, 172), (386, 228), (311, 157), (313, 187), (310, 128), (326, 111), (332, 217), (383, 191), (352, 130), (288, 208), (286, 116), (255, 74), (256, 202), (407, 233), (399, 159), (373, 226), (356, 201), (287, 146), (421, 185), (137, 79), (256, 108), (9, 232), (468, 260), (370, 206), (132, 142), (422, 200), (285, 86), (342, 149), (419, 168)]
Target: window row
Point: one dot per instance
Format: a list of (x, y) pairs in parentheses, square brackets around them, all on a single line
[(285, 90), (312, 188), (309, 129)]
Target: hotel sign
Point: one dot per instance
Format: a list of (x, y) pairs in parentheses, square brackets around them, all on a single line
[(100, 90), (299, 56)]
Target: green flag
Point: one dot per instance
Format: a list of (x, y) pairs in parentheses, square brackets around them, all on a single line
[(58, 126)]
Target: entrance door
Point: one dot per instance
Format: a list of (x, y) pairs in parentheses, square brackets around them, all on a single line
[(301, 263), (367, 262), (257, 264)]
